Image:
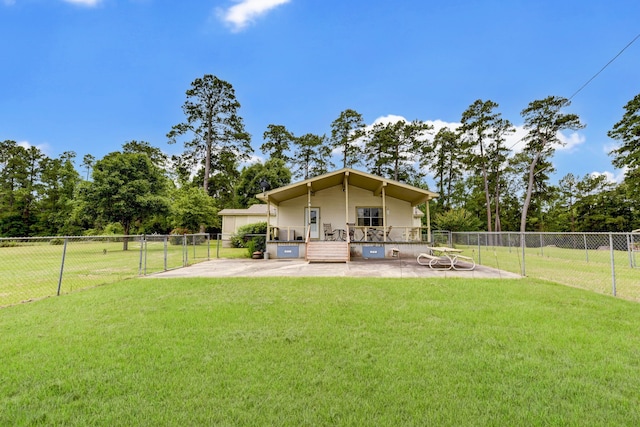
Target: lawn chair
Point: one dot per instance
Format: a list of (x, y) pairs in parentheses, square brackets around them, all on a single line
[(352, 231), (386, 235), (329, 233)]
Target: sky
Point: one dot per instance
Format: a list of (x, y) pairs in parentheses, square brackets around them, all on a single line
[(89, 75)]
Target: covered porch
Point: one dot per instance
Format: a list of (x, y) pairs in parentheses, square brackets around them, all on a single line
[(346, 213)]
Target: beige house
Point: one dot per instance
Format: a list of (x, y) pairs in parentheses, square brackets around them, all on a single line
[(345, 213), (232, 219)]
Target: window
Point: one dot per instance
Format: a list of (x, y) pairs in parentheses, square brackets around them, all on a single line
[(370, 217)]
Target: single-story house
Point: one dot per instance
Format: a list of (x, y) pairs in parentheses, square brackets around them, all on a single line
[(232, 219), (346, 213)]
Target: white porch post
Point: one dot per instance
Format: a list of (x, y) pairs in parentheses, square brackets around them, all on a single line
[(345, 183), (384, 214), (428, 221), (308, 225), (268, 219)]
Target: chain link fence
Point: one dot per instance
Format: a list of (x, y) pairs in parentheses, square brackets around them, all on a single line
[(34, 268), (603, 262)]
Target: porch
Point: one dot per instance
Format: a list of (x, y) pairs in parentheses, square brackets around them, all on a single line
[(366, 245)]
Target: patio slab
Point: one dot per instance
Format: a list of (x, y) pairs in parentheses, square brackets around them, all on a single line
[(401, 268)]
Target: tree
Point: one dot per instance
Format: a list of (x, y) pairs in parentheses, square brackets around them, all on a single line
[(444, 159), (156, 155), (567, 187), (87, 161), (345, 130), (212, 119), (457, 220), (544, 121), (393, 149), (127, 188), (191, 207), (277, 143), (59, 180), (627, 130), (482, 132), (273, 173), (311, 157)]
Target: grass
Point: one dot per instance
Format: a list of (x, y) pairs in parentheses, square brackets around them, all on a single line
[(32, 270), (573, 267), (330, 351)]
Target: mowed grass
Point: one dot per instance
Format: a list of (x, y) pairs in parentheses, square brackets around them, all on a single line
[(329, 351), (574, 267), (32, 270)]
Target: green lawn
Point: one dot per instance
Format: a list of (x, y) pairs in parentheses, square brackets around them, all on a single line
[(330, 351), (574, 267), (32, 269)]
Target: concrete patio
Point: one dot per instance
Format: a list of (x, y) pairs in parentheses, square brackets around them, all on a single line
[(388, 267)]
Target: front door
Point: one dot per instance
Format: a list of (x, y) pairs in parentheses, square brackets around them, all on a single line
[(311, 217)]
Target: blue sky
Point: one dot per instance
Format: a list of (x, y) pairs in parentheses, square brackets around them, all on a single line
[(89, 75)]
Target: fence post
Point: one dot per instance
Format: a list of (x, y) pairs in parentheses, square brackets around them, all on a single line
[(64, 255), (630, 250), (586, 249), (140, 261), (208, 246), (219, 236), (479, 251), (523, 244), (613, 265), (541, 245), (185, 251), (146, 252), (166, 248)]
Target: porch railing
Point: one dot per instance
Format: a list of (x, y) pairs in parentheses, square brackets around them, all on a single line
[(366, 234)]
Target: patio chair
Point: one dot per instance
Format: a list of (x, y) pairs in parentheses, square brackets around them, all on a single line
[(352, 231), (387, 233), (329, 233)]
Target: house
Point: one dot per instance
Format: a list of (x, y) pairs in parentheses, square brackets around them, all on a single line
[(346, 213), (232, 219)]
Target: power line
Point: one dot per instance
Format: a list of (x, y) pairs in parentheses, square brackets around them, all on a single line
[(602, 69), (594, 76)]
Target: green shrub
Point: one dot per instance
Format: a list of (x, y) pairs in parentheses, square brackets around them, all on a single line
[(8, 244), (246, 235), (457, 220), (176, 236), (56, 241)]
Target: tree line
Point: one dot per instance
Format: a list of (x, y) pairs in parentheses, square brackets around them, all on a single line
[(483, 184)]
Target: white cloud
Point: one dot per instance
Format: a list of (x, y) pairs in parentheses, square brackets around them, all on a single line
[(45, 148), (89, 3), (612, 177), (570, 142), (246, 11)]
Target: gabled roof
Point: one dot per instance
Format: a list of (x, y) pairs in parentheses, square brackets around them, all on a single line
[(355, 178)]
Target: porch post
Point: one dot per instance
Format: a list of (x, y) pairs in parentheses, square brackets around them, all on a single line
[(308, 224), (268, 219), (345, 183), (428, 221), (384, 214)]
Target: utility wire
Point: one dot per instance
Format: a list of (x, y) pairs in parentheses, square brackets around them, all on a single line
[(594, 76), (602, 69)]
